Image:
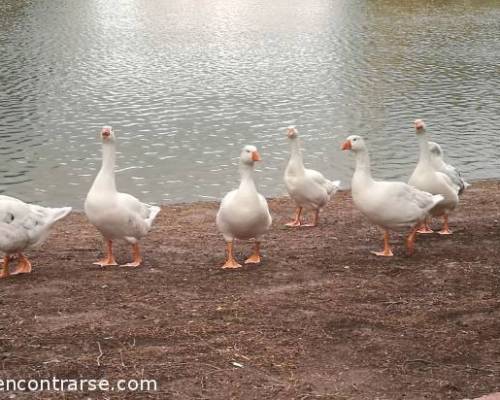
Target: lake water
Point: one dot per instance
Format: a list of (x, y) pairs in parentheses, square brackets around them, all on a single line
[(186, 83)]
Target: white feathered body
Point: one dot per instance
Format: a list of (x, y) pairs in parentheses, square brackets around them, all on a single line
[(119, 215), (116, 215), (24, 226), (425, 177), (243, 213), (307, 187), (392, 205), (440, 165)]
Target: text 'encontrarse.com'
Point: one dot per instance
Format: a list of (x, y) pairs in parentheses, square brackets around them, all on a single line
[(78, 385)]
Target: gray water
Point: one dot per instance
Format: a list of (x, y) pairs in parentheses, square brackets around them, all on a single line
[(186, 83)]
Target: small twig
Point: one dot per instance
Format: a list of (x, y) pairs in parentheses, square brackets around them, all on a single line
[(100, 354), (419, 360), (121, 358)]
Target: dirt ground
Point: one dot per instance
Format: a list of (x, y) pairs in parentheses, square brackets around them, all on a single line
[(320, 318)]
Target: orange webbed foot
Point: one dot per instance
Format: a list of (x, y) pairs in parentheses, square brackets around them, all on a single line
[(383, 253), (253, 259), (315, 220), (231, 264), (106, 262), (24, 266), (446, 228), (136, 254), (296, 222), (136, 263)]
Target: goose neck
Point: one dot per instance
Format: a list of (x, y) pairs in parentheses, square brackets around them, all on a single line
[(363, 168), (423, 144), (105, 179), (295, 164), (247, 182)]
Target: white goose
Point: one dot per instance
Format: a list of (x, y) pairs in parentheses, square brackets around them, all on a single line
[(307, 187), (24, 226), (426, 177), (440, 165), (390, 205), (243, 213), (116, 215)]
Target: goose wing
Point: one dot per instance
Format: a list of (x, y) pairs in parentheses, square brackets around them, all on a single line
[(140, 215), (27, 222), (317, 177)]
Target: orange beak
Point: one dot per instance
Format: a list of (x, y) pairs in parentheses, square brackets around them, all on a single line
[(256, 156), (419, 124), (347, 145)]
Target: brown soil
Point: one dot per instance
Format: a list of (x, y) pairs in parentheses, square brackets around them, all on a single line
[(320, 318)]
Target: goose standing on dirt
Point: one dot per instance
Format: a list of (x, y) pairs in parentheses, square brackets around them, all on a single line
[(24, 226), (307, 187), (116, 215), (390, 205), (244, 213), (426, 177), (440, 165)]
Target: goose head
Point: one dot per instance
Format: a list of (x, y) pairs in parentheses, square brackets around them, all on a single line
[(249, 155), (354, 143), (107, 134), (292, 132), (419, 126), (435, 149)]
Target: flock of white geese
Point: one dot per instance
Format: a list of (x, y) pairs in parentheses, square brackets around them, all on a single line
[(432, 191)]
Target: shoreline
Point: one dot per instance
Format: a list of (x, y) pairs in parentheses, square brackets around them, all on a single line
[(282, 197), (319, 318)]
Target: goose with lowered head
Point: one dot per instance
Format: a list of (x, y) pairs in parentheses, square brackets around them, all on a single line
[(116, 215), (307, 187), (243, 212), (390, 205), (24, 226), (426, 177)]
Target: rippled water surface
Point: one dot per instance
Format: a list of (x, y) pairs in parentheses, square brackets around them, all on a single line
[(186, 83)]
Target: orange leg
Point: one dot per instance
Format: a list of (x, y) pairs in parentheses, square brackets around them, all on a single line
[(110, 259), (296, 221), (255, 257), (5, 269), (231, 262), (410, 241), (446, 229), (424, 227), (137, 260), (24, 265), (315, 220), (387, 252)]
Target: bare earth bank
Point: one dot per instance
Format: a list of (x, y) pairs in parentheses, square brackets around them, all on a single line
[(321, 318)]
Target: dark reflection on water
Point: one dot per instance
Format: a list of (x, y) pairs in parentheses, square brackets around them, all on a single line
[(186, 83)]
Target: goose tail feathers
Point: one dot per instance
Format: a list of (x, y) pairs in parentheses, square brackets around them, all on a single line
[(60, 213), (332, 187), (153, 212), (436, 199)]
